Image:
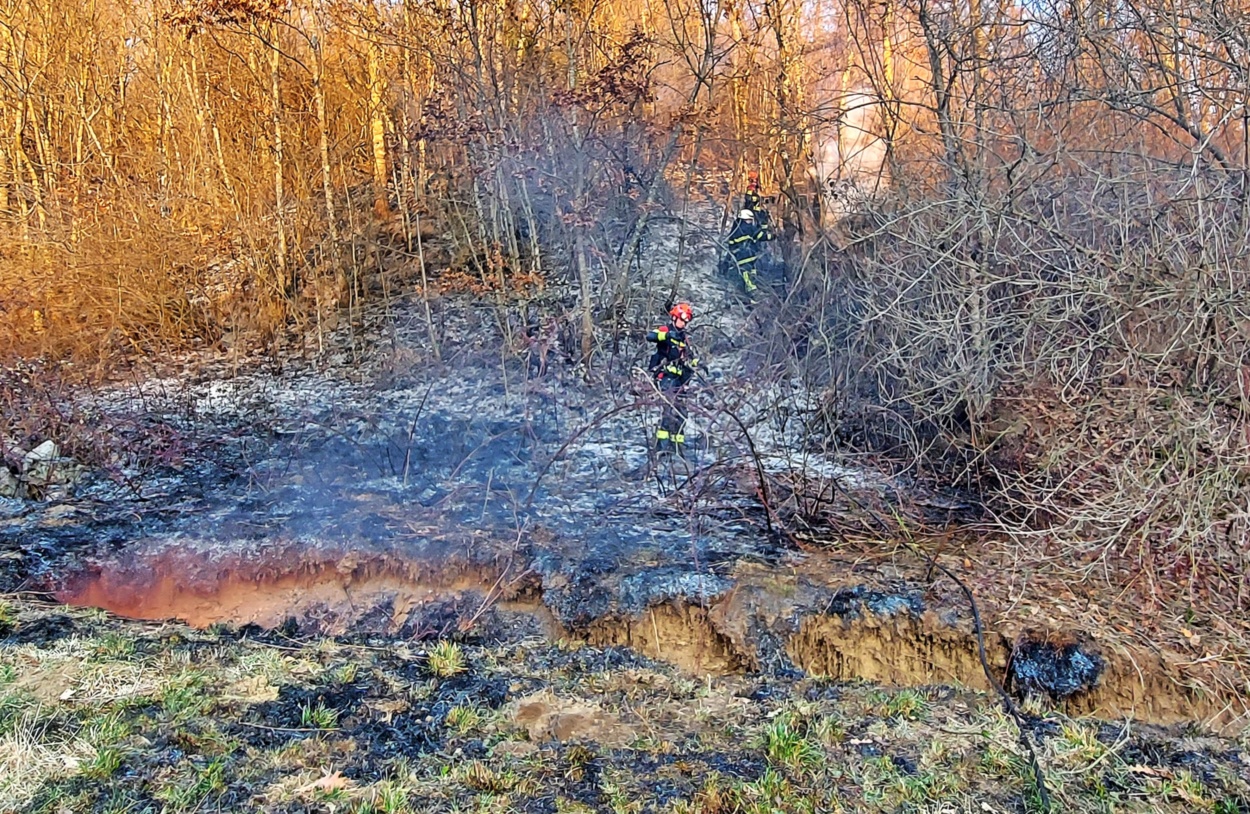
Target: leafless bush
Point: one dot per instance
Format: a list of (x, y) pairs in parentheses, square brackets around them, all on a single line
[(1047, 303), (1076, 350)]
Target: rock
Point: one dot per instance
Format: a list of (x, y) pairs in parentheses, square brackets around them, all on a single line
[(43, 467), (10, 486), (39, 465), (45, 453)]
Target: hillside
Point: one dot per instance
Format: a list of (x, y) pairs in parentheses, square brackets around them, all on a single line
[(648, 634), (322, 332)]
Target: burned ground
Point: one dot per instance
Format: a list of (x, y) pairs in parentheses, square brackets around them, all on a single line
[(173, 719), (640, 634)]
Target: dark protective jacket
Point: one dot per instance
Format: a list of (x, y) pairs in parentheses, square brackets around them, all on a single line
[(672, 357), (752, 200), (744, 239)]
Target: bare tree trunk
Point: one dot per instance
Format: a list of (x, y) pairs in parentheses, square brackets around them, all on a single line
[(740, 83), (323, 137), (10, 168), (889, 108), (23, 160), (979, 265), (207, 117), (279, 195), (190, 74), (588, 312), (43, 148), (377, 126), (4, 172), (164, 125), (425, 294), (531, 229)]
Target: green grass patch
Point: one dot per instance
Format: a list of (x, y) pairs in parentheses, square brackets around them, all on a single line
[(184, 697), (786, 743), (908, 705), (318, 716), (191, 785), (446, 659)]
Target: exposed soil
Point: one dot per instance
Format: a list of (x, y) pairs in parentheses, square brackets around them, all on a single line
[(755, 618)]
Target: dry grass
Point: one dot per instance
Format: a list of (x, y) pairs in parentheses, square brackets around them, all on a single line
[(708, 747), (128, 283)]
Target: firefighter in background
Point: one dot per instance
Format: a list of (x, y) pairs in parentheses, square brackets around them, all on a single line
[(751, 199), (673, 366), (749, 231)]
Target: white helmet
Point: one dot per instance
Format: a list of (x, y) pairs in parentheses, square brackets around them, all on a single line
[(746, 214)]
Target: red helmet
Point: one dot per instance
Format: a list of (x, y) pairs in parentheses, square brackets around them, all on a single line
[(682, 311)]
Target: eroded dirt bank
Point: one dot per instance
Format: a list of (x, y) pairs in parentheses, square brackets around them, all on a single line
[(800, 616)]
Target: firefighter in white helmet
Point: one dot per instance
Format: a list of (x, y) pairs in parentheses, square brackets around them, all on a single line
[(744, 247)]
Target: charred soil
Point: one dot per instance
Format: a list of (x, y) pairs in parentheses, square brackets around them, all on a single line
[(634, 633)]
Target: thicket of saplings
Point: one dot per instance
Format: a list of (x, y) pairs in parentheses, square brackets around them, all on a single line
[(1043, 299), (1074, 352)]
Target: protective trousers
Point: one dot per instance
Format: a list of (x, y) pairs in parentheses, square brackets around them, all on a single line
[(746, 267), (671, 434), (744, 246)]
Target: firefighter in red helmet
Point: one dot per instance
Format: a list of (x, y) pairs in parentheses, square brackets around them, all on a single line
[(751, 199), (673, 366)]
